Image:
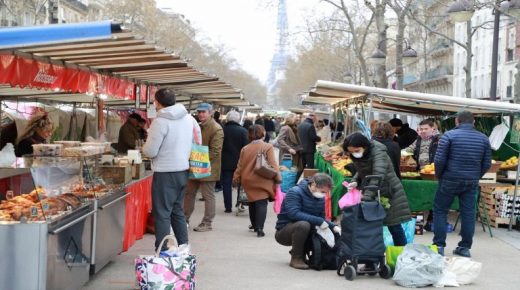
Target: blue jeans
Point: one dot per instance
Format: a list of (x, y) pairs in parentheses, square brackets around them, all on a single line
[(226, 180), (465, 191)]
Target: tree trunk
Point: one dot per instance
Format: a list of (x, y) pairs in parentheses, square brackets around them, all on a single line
[(469, 56), (379, 14), (401, 25)]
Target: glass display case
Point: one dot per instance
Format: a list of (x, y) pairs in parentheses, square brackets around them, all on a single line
[(50, 218)]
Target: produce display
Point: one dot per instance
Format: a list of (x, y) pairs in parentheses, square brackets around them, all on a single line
[(413, 175), (335, 156), (429, 169), (510, 163)]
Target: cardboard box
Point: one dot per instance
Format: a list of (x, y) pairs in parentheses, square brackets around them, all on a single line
[(309, 172)]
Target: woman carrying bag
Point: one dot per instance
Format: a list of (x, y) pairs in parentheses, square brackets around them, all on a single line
[(371, 158), (251, 174)]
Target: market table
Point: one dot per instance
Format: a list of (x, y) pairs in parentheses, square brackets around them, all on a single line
[(420, 193), (138, 205)]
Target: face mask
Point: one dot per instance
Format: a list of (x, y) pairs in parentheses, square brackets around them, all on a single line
[(358, 154), (318, 194)]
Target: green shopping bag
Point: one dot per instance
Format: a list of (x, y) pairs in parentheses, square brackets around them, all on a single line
[(392, 252)]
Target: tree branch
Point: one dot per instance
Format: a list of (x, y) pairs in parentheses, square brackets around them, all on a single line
[(410, 15)]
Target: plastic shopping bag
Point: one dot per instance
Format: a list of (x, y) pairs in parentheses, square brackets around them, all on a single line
[(465, 269), (173, 269), (327, 235), (278, 199), (498, 135), (409, 231), (352, 197), (393, 252), (200, 166), (418, 266)]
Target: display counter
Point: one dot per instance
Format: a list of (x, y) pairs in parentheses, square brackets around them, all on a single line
[(70, 225), (420, 193)]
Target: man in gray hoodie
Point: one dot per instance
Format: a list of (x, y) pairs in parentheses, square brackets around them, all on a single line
[(169, 145)]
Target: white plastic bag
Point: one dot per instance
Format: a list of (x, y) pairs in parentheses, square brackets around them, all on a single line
[(327, 235), (466, 269), (418, 266), (448, 279), (7, 156), (498, 135)]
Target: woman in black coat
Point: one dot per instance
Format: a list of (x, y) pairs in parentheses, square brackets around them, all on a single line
[(383, 133)]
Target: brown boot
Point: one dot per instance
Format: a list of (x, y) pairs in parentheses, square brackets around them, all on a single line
[(298, 263)]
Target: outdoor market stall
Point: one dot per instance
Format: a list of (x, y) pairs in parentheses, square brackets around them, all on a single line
[(359, 102), (103, 65)]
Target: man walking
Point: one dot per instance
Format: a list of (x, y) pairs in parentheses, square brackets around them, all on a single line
[(463, 157), (213, 137), (169, 145), (309, 138)]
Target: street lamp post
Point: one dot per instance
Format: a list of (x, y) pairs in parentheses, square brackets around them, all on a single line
[(462, 11), (379, 57)]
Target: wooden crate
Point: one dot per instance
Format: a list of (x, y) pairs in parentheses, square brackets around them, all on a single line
[(498, 221), (490, 177), (496, 188)]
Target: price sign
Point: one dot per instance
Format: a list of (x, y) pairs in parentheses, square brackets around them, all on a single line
[(515, 130)]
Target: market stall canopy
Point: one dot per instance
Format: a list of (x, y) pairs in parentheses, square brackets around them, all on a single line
[(333, 93), (88, 59)]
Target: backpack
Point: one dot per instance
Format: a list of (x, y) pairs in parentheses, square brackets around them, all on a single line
[(319, 255)]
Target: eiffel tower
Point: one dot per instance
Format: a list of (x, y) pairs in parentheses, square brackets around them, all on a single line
[(280, 57)]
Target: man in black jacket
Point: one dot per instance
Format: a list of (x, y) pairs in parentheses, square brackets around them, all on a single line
[(405, 135), (235, 138), (309, 138)]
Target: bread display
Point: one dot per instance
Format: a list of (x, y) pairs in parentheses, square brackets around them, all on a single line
[(67, 144), (83, 151)]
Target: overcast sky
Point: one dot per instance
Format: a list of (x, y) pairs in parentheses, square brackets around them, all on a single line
[(246, 27)]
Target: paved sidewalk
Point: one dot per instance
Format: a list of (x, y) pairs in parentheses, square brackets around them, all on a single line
[(230, 257)]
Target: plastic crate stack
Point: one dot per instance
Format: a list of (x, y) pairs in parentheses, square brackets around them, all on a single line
[(497, 201)]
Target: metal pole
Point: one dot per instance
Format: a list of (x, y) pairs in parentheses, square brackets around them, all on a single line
[(494, 57)]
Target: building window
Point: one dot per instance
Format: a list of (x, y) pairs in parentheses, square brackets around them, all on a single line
[(509, 92), (509, 54)]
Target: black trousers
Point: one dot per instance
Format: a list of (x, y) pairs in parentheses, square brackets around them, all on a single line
[(308, 160), (258, 213)]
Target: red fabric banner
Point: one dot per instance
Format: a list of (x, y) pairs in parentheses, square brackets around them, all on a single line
[(138, 205), (21, 72)]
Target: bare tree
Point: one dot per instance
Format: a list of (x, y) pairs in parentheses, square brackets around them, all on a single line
[(400, 10), (378, 8), (35, 9), (358, 35), (467, 46)]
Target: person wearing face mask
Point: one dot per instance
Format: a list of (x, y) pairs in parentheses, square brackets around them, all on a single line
[(425, 146), (259, 190), (303, 208), (371, 158)]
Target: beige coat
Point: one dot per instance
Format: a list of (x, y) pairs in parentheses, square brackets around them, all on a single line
[(288, 140), (213, 137), (256, 186)]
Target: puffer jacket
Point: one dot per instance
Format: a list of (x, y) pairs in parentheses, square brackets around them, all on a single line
[(463, 154), (377, 162), (300, 205)]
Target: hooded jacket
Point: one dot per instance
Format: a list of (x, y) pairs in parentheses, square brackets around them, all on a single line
[(170, 138)]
